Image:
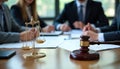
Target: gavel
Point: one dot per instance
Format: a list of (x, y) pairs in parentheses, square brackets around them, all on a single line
[(84, 53), (107, 42)]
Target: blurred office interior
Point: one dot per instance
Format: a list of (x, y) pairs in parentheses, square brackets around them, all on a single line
[(50, 9)]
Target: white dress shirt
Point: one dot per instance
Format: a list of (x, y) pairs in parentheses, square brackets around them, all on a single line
[(101, 37)]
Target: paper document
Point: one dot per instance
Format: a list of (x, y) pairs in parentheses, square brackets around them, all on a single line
[(50, 42), (55, 33), (74, 34), (74, 44)]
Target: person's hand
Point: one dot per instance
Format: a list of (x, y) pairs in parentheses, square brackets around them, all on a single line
[(29, 35), (78, 25), (65, 28), (89, 27), (26, 35), (93, 35), (36, 32), (49, 28)]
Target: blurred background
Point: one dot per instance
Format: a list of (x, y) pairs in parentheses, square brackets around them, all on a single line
[(49, 9)]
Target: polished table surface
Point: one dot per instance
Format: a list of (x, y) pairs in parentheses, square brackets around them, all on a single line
[(59, 59)]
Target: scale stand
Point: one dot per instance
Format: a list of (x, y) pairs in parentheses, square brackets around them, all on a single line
[(25, 45)]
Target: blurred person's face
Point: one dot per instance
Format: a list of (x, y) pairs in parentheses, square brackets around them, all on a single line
[(28, 2)]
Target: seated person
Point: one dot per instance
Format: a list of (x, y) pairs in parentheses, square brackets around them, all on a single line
[(24, 9), (110, 33), (10, 31), (80, 12)]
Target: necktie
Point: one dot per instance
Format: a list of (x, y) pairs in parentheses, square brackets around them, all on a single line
[(81, 13)]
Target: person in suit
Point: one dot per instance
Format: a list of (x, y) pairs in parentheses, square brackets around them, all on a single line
[(71, 13), (10, 31), (107, 33), (24, 9)]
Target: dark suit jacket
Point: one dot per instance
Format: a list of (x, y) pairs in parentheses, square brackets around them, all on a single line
[(12, 35), (17, 15), (113, 32), (94, 14)]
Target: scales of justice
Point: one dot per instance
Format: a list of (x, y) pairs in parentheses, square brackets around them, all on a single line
[(35, 54)]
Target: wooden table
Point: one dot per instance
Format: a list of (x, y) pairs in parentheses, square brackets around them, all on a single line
[(59, 59)]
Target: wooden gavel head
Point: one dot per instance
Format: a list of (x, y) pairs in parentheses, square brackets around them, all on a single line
[(84, 43)]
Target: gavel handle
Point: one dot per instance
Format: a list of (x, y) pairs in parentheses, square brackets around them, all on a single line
[(107, 42)]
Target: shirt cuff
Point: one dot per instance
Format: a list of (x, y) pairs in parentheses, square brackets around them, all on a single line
[(58, 26), (93, 25), (101, 37), (98, 30)]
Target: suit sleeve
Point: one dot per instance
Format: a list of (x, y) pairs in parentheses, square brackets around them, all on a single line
[(115, 35), (13, 35), (112, 27), (61, 18), (103, 21), (112, 36), (115, 23)]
